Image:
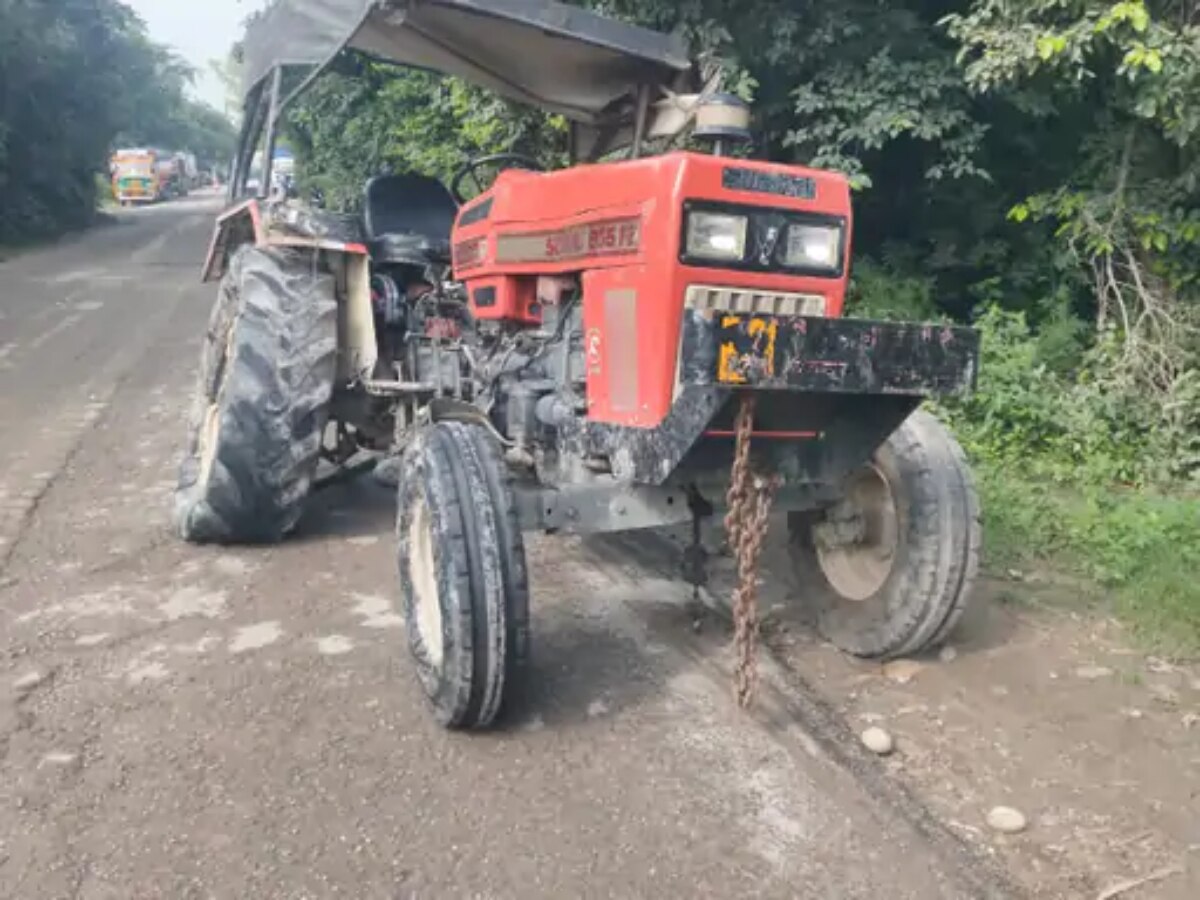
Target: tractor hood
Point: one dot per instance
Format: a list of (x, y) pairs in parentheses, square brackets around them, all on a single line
[(549, 55)]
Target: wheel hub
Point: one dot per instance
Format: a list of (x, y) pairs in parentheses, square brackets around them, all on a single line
[(856, 544)]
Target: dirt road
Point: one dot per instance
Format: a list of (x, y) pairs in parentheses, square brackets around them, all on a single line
[(182, 722)]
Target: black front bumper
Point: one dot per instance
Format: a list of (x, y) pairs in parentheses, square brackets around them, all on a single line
[(847, 356), (839, 387)]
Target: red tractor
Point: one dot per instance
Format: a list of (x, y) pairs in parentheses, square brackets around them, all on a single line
[(619, 345)]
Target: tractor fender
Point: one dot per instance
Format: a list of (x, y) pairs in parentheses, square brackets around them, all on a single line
[(275, 225), (447, 409), (278, 226), (242, 224)]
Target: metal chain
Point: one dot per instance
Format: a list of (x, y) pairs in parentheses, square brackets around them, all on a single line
[(749, 499), (740, 475)]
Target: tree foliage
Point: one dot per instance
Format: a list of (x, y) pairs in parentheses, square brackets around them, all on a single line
[(77, 77), (364, 118), (1126, 208)]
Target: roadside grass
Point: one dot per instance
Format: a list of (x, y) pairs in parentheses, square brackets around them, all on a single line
[(1139, 550), (1163, 606)]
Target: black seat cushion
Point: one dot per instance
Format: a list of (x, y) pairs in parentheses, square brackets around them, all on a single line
[(408, 218)]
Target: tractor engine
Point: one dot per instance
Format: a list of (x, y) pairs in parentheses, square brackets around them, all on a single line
[(421, 324), (535, 376), (527, 374)]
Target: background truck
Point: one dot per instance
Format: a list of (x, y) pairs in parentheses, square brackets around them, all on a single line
[(136, 176), (149, 175)]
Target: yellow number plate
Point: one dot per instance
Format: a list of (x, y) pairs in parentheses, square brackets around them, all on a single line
[(746, 343)]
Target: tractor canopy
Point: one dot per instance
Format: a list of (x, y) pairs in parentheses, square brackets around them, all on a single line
[(555, 57)]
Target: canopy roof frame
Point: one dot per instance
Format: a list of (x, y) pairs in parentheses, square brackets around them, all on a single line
[(556, 49), (595, 71)]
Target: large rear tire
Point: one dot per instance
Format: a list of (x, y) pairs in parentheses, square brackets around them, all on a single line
[(891, 569), (462, 574), (266, 380)]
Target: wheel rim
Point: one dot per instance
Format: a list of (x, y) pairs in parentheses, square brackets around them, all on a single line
[(426, 606), (208, 440), (857, 566), (211, 423)]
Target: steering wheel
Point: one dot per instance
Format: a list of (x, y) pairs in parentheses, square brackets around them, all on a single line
[(500, 160)]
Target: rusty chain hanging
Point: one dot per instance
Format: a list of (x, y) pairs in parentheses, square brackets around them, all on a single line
[(750, 497)]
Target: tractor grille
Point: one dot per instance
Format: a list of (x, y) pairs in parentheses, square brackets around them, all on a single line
[(768, 303)]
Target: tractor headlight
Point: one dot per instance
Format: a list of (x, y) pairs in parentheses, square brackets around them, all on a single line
[(813, 246), (716, 236)]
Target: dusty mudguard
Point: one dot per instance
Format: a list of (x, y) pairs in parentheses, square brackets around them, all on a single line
[(262, 402), (891, 570), (462, 574), (280, 225)]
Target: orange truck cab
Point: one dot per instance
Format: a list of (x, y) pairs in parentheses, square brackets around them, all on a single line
[(144, 175), (135, 176)]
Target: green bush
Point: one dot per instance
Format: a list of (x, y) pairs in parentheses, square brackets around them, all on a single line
[(1075, 472), (1020, 518), (1118, 532), (881, 291), (1076, 426)]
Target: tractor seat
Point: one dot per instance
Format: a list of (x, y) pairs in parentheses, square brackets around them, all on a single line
[(411, 249), (407, 219)]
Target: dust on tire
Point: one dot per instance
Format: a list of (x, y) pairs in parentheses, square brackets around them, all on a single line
[(266, 379), (936, 558), (477, 579)]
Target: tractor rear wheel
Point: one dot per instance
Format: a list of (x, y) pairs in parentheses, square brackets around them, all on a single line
[(462, 573), (890, 569), (266, 380)]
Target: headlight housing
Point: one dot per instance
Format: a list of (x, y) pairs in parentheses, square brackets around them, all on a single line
[(716, 236), (747, 238), (810, 246)]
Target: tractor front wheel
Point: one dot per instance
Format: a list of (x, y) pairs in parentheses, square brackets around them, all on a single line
[(890, 568), (266, 380), (462, 573)]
